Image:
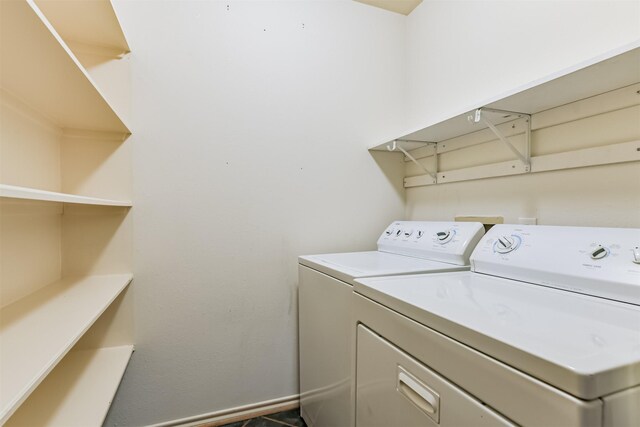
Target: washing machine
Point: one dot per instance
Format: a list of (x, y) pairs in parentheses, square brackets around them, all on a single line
[(543, 331), (325, 286)]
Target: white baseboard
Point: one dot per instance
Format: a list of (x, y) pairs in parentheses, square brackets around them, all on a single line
[(239, 413)]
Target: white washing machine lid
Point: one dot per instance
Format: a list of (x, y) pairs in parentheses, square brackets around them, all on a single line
[(584, 345), (349, 266)]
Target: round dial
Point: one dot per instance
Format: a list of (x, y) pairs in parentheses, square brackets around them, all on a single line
[(599, 252), (389, 232), (407, 233), (444, 237), (399, 232), (636, 255), (419, 234), (506, 244)]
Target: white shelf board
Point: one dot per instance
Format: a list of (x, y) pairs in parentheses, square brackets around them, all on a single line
[(78, 392), (37, 331), (89, 22), (38, 68), (15, 192), (613, 70)]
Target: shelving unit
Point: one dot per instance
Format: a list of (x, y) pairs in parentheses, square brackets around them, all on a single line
[(62, 401), (39, 68), (37, 331), (518, 109), (65, 190), (15, 192)]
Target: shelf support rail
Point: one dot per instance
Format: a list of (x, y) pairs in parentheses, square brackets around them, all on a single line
[(524, 158), (395, 147)]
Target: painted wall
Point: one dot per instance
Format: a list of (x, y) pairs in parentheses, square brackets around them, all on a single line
[(462, 52), (251, 124), (251, 121)]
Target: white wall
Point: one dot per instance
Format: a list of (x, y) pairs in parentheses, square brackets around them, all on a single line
[(250, 134), (462, 52)]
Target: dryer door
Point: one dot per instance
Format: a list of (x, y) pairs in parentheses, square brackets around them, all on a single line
[(394, 389)]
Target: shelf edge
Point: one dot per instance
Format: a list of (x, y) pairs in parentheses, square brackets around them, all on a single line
[(26, 193)]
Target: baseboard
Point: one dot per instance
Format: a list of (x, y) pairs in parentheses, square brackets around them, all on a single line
[(225, 416)]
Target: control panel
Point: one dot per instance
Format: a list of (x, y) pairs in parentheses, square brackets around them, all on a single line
[(602, 262), (450, 242)]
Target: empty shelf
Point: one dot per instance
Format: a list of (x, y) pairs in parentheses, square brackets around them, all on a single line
[(39, 69), (613, 70), (15, 192), (78, 392), (38, 330), (88, 22)]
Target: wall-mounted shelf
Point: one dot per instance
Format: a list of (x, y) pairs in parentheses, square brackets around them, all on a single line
[(64, 310), (38, 330), (15, 192), (88, 23), (39, 69), (78, 392), (614, 70)]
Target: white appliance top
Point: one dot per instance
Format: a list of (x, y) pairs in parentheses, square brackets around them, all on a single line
[(584, 345), (587, 345), (603, 262), (352, 265), (405, 247)]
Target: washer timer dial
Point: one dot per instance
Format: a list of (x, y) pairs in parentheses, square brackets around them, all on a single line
[(506, 244), (444, 237), (599, 252)]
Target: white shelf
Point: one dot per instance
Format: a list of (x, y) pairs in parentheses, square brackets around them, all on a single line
[(88, 22), (38, 330), (15, 192), (40, 69), (78, 392), (613, 70)]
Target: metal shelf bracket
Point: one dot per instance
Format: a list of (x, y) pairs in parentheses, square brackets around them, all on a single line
[(525, 158), (394, 146)]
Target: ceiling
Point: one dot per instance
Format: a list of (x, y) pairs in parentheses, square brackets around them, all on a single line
[(404, 7)]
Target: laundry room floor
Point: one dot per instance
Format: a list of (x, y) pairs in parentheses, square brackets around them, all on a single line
[(286, 418)]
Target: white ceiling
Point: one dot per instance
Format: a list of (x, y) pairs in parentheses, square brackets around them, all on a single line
[(404, 7)]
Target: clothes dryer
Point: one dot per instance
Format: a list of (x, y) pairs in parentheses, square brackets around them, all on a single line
[(545, 330), (325, 286)]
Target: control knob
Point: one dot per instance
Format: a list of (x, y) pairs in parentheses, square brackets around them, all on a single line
[(444, 237), (506, 244), (636, 255), (408, 233), (599, 252), (389, 232)]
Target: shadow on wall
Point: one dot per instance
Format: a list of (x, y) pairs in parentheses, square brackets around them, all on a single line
[(392, 165)]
